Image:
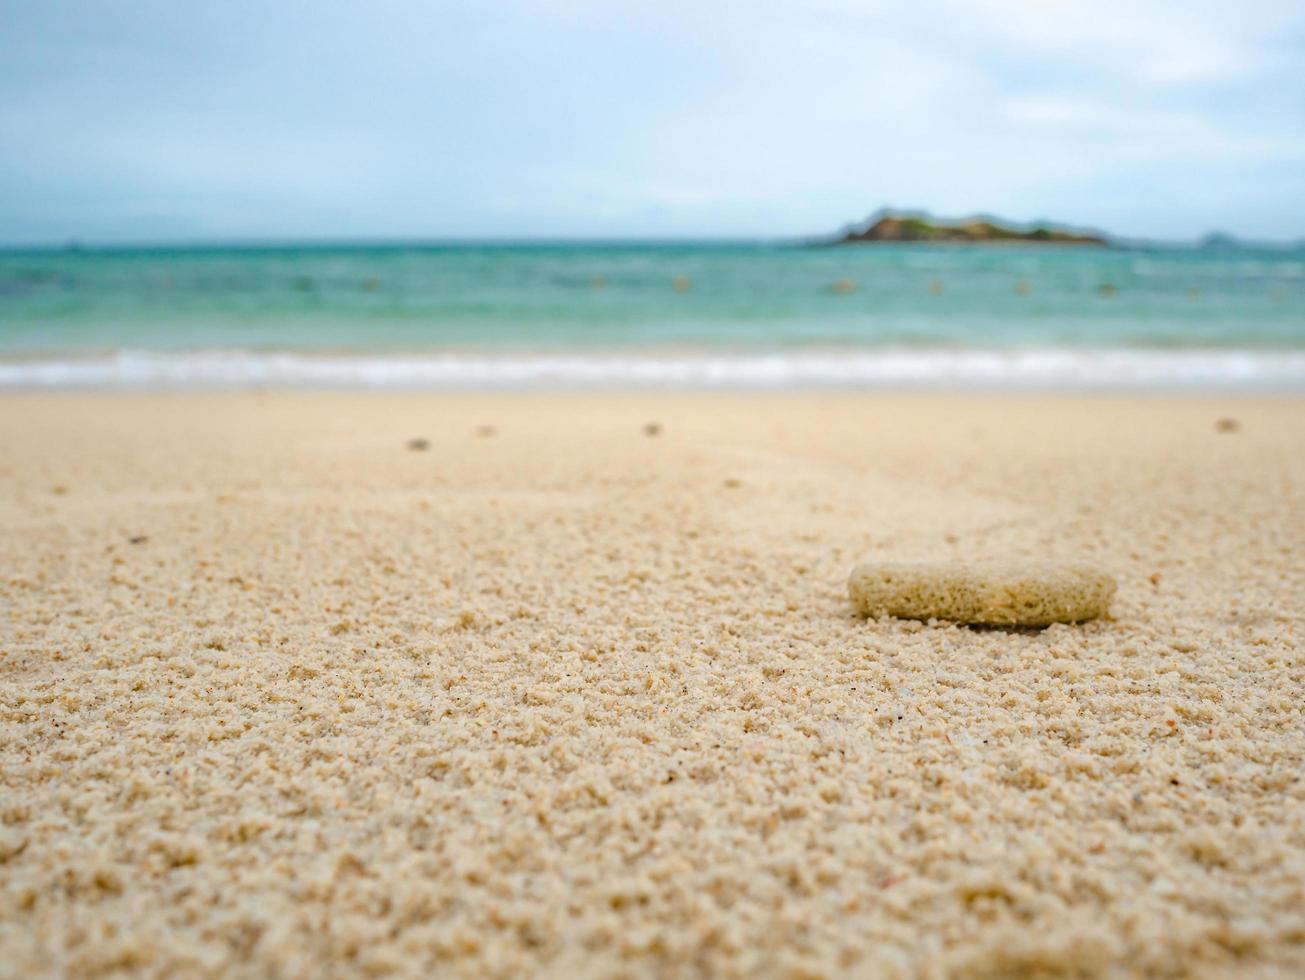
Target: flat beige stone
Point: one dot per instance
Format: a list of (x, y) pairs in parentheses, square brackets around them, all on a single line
[(1003, 593)]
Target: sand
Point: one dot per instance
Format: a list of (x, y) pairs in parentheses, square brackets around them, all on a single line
[(280, 696)]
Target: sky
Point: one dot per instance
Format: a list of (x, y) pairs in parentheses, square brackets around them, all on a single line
[(157, 121)]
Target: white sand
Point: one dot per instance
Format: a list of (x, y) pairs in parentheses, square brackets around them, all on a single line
[(572, 700)]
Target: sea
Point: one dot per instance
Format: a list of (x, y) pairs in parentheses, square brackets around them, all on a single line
[(698, 315)]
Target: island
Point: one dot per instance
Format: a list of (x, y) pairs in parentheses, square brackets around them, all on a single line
[(887, 226)]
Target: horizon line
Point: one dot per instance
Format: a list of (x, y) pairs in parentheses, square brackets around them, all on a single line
[(74, 245)]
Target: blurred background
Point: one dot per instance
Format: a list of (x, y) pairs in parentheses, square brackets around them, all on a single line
[(516, 193)]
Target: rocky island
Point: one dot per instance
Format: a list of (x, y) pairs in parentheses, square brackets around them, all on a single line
[(889, 227)]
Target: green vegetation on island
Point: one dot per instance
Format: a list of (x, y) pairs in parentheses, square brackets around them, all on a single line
[(889, 227)]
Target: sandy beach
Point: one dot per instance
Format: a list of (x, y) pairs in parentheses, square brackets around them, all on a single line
[(557, 695)]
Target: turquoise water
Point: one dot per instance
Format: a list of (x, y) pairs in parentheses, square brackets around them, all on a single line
[(651, 301)]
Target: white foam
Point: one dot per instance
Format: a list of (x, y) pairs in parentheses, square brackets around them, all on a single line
[(1027, 369)]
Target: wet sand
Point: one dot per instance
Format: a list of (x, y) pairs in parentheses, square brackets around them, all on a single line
[(282, 695)]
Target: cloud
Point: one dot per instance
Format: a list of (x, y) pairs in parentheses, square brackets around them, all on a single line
[(1160, 42)]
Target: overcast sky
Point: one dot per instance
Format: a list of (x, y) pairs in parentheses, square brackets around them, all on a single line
[(160, 120)]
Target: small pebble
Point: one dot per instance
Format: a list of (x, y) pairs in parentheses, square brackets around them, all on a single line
[(418, 445), (733, 484), (138, 539), (486, 431), (1227, 425), (652, 429)]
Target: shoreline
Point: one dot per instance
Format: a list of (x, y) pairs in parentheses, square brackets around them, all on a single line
[(1032, 369)]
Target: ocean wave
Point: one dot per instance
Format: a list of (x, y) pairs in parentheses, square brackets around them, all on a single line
[(1051, 368)]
